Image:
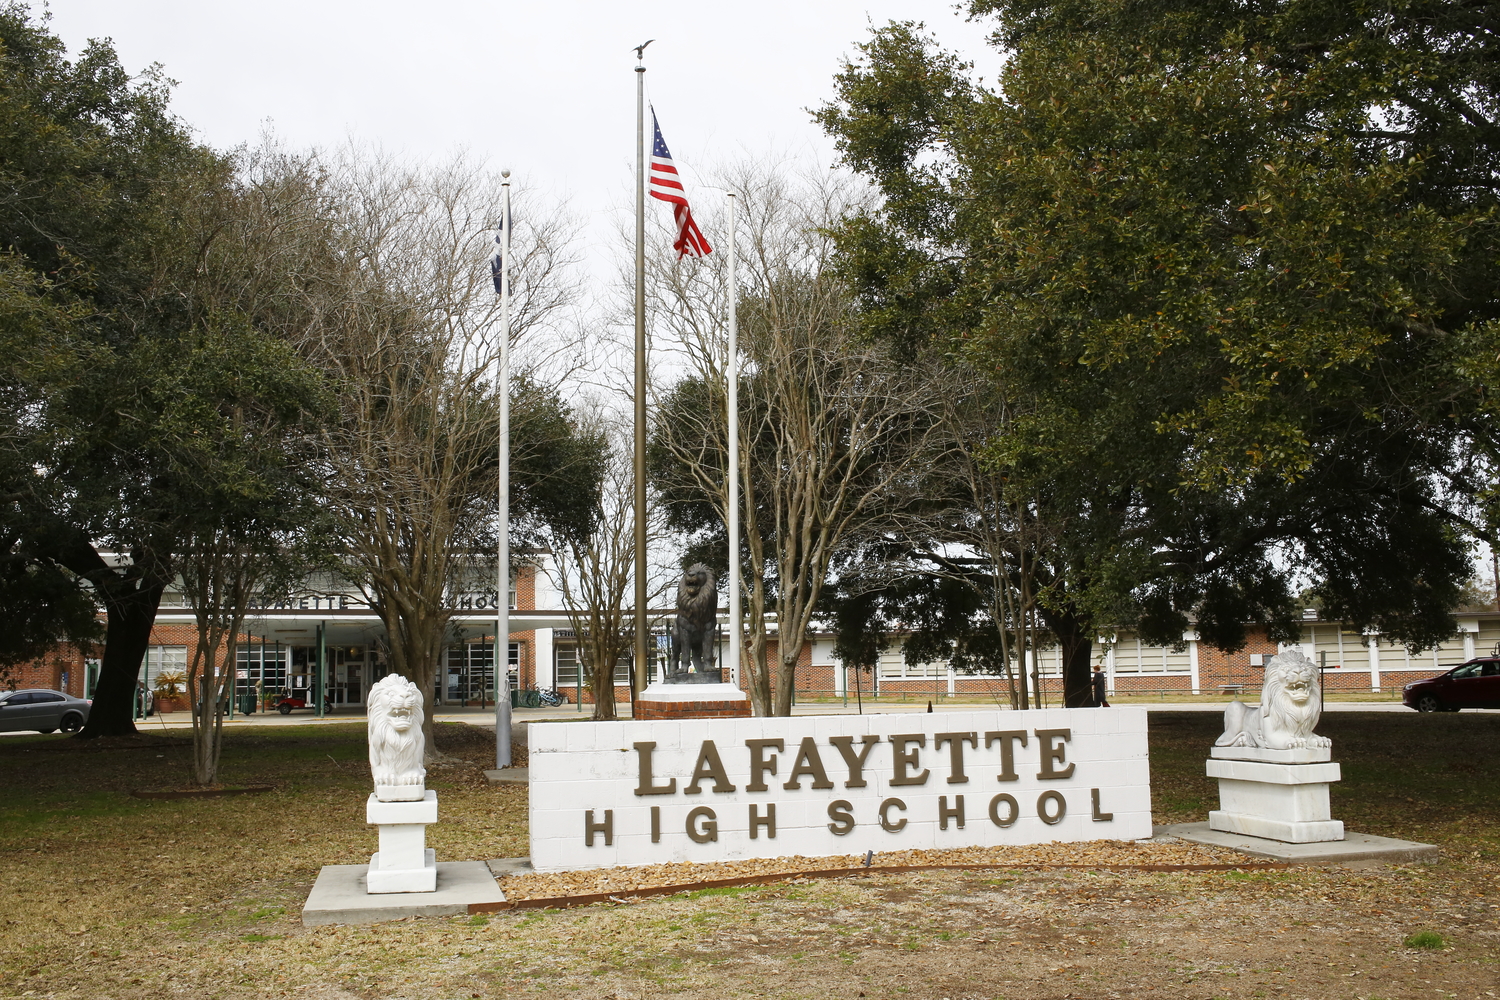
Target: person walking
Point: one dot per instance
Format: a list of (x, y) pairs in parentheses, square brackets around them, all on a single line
[(1101, 688)]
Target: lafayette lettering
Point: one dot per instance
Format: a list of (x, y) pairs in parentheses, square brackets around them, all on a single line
[(906, 764)]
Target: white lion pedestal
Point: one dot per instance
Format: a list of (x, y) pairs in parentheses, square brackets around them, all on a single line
[(401, 805), (1273, 772)]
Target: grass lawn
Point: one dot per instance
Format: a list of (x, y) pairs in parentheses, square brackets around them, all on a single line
[(112, 896)]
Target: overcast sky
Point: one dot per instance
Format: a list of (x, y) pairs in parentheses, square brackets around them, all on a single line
[(546, 89)]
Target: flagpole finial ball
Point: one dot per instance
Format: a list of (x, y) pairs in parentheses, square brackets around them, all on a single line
[(505, 173)]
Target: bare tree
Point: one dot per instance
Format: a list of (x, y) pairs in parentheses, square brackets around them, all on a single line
[(222, 569), (402, 319), (831, 426), (595, 565)]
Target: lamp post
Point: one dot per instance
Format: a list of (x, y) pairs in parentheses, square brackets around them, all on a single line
[(502, 572), (733, 416), (640, 376)]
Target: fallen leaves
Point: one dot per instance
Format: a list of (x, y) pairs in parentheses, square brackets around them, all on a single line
[(1100, 853)]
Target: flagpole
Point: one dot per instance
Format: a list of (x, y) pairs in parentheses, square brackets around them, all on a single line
[(734, 459), (502, 573), (641, 668)]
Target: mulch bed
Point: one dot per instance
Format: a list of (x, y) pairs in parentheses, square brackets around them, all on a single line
[(576, 888)]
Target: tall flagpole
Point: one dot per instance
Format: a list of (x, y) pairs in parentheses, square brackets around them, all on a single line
[(641, 667), (502, 573), (734, 459)]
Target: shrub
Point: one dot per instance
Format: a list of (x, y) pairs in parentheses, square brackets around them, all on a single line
[(1426, 940)]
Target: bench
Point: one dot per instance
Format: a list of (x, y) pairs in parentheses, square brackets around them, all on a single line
[(1231, 689)]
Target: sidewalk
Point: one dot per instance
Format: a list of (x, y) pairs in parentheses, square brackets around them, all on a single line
[(570, 713)]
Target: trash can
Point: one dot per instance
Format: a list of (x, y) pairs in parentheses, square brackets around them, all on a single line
[(247, 704)]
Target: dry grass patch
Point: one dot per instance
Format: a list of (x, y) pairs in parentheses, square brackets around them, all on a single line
[(109, 896)]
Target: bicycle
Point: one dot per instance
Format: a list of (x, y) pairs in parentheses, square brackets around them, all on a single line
[(550, 698)]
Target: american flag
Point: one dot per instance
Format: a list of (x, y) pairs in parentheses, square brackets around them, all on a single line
[(666, 186)]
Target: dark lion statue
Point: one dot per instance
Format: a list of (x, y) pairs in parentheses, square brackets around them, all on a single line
[(696, 628)]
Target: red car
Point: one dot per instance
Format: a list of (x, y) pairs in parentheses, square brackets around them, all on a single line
[(1475, 684)]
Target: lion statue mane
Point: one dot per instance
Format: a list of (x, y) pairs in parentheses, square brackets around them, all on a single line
[(1288, 712), (396, 742), (696, 627)]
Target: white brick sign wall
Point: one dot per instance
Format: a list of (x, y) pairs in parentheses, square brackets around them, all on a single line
[(635, 793)]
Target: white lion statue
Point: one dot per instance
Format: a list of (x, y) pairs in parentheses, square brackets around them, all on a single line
[(396, 744), (1288, 712)]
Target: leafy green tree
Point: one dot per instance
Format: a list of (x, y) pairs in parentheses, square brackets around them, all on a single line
[(1232, 268), (127, 432)]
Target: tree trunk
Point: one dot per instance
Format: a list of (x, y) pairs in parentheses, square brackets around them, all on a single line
[(130, 609), (602, 684), (759, 681), (1077, 651), (786, 675), (416, 644)]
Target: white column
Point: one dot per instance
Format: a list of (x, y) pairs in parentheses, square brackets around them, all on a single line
[(1374, 642), (1109, 668), (1193, 657)]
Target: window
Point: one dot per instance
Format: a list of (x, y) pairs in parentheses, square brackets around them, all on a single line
[(565, 661), (263, 665), (471, 670), (893, 667), (1134, 657), (163, 660)]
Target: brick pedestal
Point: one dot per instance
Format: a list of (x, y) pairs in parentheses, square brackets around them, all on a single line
[(692, 701)]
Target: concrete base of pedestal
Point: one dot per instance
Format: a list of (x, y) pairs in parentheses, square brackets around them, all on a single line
[(340, 895), (1275, 801), (1356, 850), (384, 878)]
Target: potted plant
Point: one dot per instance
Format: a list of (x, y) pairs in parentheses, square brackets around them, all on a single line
[(169, 693)]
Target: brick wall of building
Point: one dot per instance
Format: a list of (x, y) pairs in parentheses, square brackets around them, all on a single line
[(61, 670)]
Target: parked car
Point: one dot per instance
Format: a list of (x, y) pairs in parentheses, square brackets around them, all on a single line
[(42, 710), (1475, 684)]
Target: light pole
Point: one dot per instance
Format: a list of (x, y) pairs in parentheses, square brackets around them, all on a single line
[(502, 573), (733, 416), (640, 376)]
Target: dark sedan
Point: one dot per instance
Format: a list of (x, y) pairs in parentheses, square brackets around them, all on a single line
[(41, 710), (1475, 684)]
